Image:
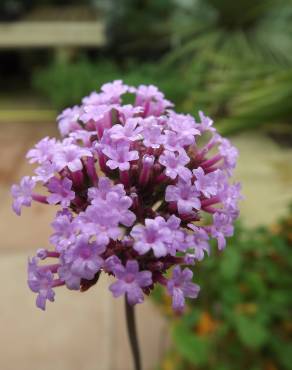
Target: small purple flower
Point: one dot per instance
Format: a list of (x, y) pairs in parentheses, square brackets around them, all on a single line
[(95, 113), (230, 196), (151, 236), (83, 136), (199, 242), (71, 280), (43, 151), (185, 127), (70, 156), (152, 133), (175, 164), (151, 99), (130, 131), (114, 90), (173, 141), (206, 123), (122, 205), (101, 222), (112, 263), (40, 281), (84, 258), (105, 186), (93, 98), (207, 184), (229, 154), (128, 111), (68, 120), (22, 194), (180, 286), (130, 281), (45, 172), (61, 191), (120, 155), (177, 241), (64, 231), (222, 227), (185, 195)]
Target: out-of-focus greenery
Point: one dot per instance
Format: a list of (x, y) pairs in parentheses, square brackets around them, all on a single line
[(242, 318), (239, 55), (230, 59), (138, 28), (65, 84)]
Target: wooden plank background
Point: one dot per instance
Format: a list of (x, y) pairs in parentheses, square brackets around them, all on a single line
[(51, 34)]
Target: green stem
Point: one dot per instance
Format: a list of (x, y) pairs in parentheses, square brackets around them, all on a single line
[(132, 333)]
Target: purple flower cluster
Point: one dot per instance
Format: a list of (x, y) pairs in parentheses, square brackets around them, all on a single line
[(140, 190)]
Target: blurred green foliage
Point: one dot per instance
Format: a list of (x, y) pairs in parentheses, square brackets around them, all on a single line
[(230, 59), (65, 84), (240, 56), (137, 28), (242, 318)]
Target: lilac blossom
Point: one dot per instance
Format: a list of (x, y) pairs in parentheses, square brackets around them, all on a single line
[(71, 280), (22, 194), (127, 112), (151, 236), (120, 155), (185, 195), (185, 126), (175, 164), (45, 172), (222, 228), (70, 156), (93, 98), (229, 154), (151, 99), (68, 120), (137, 195), (84, 258), (199, 242), (100, 221), (129, 131), (180, 286), (61, 191), (41, 281), (43, 151), (152, 133), (130, 281), (206, 123), (207, 184), (64, 231), (114, 90), (94, 113), (104, 187)]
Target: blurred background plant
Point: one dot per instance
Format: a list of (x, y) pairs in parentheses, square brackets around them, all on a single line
[(243, 317), (233, 60)]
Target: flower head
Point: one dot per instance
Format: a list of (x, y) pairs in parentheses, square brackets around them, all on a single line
[(136, 195)]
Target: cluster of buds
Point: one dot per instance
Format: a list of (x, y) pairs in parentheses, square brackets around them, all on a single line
[(141, 190)]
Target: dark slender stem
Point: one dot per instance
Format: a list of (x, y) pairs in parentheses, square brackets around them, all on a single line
[(132, 333)]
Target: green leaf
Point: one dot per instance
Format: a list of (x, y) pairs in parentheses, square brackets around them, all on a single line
[(193, 348), (230, 263), (251, 332)]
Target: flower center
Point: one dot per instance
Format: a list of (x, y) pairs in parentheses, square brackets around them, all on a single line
[(129, 278), (85, 252)]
